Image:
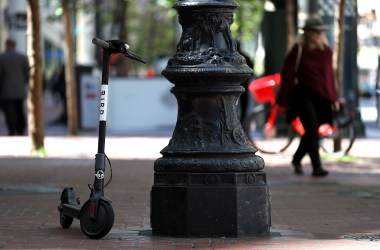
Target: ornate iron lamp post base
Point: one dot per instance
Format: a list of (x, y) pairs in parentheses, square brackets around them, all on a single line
[(209, 182), (210, 205)]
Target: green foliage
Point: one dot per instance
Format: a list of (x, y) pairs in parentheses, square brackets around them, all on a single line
[(168, 5), (247, 19), (152, 25), (152, 29)]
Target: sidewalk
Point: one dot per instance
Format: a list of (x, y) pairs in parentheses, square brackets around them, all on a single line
[(341, 211)]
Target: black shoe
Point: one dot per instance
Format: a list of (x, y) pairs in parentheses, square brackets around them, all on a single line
[(319, 173), (297, 168)]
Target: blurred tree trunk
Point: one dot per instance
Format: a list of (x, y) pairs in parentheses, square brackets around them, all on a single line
[(34, 102), (71, 93), (339, 44), (339, 54), (290, 30), (152, 32), (121, 17)]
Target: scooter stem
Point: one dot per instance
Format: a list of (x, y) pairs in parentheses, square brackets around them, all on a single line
[(103, 102), (97, 189)]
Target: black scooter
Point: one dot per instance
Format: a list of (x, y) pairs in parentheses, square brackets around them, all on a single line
[(96, 215)]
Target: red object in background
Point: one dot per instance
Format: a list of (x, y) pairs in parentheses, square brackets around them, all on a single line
[(114, 58), (297, 126), (263, 88), (326, 129), (150, 73)]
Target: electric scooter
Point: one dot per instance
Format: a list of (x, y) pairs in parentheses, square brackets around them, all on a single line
[(96, 215)]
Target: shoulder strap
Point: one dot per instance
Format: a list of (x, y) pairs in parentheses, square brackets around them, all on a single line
[(299, 53)]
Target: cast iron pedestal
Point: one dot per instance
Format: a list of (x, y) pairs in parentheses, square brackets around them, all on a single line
[(209, 182)]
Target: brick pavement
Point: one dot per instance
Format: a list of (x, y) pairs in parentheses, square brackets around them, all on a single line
[(341, 211)]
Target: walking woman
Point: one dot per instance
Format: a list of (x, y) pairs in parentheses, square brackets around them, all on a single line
[(308, 90)]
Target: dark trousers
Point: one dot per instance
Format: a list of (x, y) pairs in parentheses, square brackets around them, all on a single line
[(310, 140), (14, 116)]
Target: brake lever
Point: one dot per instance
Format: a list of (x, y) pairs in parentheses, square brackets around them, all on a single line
[(117, 46), (134, 56)]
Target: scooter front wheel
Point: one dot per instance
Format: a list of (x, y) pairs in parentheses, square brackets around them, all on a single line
[(95, 229)]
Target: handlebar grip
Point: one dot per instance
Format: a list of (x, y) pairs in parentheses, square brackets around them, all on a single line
[(101, 43)]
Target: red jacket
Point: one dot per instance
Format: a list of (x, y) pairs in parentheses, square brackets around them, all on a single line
[(315, 71)]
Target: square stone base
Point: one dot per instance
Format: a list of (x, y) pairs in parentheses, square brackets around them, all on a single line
[(210, 204)]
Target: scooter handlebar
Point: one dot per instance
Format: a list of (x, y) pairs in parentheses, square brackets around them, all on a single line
[(117, 46), (101, 43), (105, 44)]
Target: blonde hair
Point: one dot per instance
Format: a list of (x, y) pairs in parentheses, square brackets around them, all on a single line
[(303, 40)]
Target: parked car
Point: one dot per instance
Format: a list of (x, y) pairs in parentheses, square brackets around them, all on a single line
[(367, 89)]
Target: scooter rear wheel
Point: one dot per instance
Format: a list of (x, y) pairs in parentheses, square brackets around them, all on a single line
[(65, 220), (95, 229)]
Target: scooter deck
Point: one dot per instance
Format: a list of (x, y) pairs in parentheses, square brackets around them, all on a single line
[(71, 210)]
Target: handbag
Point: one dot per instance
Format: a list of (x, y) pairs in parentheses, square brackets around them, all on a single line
[(342, 117), (284, 95)]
